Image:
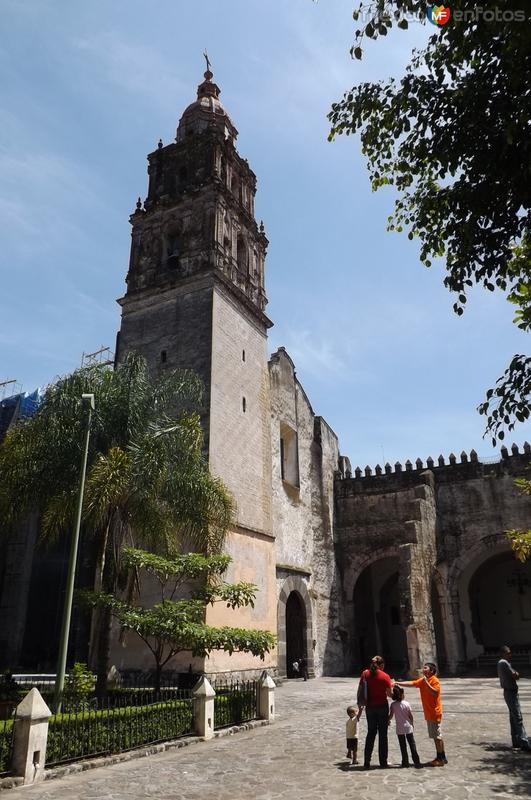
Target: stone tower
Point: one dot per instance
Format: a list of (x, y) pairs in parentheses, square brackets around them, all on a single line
[(196, 299)]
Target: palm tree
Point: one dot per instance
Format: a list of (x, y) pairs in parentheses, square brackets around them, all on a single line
[(147, 482)]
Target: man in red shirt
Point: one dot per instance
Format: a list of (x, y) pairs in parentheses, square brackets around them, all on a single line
[(430, 695), (374, 688)]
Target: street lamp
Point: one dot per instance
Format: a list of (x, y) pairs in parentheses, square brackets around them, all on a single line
[(87, 402)]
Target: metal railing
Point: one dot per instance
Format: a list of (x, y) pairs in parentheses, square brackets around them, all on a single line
[(235, 703), (117, 724)]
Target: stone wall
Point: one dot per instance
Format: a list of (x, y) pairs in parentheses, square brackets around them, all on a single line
[(240, 444), (440, 524), (303, 515), (380, 523)]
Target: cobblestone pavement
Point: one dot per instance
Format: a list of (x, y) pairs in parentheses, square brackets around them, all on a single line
[(302, 755)]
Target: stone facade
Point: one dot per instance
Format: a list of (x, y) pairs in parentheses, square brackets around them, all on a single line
[(411, 562)]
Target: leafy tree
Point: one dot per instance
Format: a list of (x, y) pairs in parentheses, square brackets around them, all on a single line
[(452, 137), (147, 483), (521, 540), (176, 625)]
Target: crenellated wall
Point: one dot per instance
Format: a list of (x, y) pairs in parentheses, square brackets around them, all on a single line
[(440, 523)]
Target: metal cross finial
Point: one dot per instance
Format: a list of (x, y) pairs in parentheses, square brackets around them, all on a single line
[(207, 61)]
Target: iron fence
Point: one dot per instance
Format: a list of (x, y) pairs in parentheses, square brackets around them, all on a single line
[(6, 745), (116, 725), (235, 703)]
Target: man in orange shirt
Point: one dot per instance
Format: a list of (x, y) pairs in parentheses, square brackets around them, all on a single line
[(430, 694)]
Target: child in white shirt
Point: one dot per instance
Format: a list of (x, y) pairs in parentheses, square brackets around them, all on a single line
[(352, 733), (401, 711)]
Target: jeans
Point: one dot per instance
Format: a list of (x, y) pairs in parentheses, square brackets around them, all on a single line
[(402, 737), (376, 723), (518, 734)]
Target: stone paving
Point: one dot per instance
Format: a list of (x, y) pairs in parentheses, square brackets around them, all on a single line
[(302, 755)]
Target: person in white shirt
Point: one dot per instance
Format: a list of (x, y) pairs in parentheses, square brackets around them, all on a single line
[(352, 733), (401, 711)]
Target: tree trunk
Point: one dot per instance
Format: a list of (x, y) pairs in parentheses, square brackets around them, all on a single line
[(158, 675)]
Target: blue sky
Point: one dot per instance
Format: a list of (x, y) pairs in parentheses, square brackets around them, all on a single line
[(88, 89)]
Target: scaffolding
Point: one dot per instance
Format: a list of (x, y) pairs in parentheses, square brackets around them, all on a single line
[(102, 357), (12, 386)]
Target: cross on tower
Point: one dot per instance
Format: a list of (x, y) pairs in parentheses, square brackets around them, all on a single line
[(207, 61)]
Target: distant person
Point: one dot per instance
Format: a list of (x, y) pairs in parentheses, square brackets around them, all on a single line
[(295, 668), (374, 688), (352, 733), (303, 668), (508, 682), (430, 694), (401, 711)]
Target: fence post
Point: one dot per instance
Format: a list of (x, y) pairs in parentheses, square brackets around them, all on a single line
[(266, 695), (30, 736), (204, 694)]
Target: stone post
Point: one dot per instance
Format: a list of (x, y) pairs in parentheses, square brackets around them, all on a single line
[(266, 697), (204, 694), (31, 734)]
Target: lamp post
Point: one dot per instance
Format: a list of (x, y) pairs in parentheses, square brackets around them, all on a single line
[(87, 401)]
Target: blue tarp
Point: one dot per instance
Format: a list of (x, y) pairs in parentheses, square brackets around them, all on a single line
[(18, 406)]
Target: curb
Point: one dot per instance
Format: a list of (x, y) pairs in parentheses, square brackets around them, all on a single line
[(130, 755)]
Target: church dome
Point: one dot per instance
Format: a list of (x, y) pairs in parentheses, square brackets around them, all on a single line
[(205, 111)]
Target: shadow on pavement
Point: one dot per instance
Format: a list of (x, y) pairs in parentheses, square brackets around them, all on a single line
[(500, 759), (344, 766)]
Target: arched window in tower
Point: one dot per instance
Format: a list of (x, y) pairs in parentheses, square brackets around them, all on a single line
[(172, 249), (236, 187), (242, 256)]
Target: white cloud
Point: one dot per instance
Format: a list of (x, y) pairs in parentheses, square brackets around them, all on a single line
[(314, 355), (37, 200), (134, 67)]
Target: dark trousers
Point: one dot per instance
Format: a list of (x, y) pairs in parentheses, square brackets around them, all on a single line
[(402, 737), (518, 732), (376, 724)]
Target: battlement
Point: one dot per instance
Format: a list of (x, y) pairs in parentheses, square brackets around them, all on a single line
[(469, 466)]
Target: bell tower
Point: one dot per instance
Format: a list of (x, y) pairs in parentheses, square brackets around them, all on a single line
[(196, 299)]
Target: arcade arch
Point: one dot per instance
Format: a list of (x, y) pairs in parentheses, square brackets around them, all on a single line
[(378, 627), (491, 594)]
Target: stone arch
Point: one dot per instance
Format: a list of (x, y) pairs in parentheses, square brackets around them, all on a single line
[(460, 574), (364, 561), (294, 583), (376, 624)]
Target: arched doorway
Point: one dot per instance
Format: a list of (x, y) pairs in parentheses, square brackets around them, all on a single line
[(378, 626), (500, 602), (295, 631)]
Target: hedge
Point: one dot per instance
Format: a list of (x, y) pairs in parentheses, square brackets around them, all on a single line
[(91, 733)]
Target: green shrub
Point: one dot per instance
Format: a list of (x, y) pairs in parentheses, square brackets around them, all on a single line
[(90, 733), (79, 685), (233, 707), (6, 735)]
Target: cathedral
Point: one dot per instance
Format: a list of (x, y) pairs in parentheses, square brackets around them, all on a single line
[(410, 561)]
